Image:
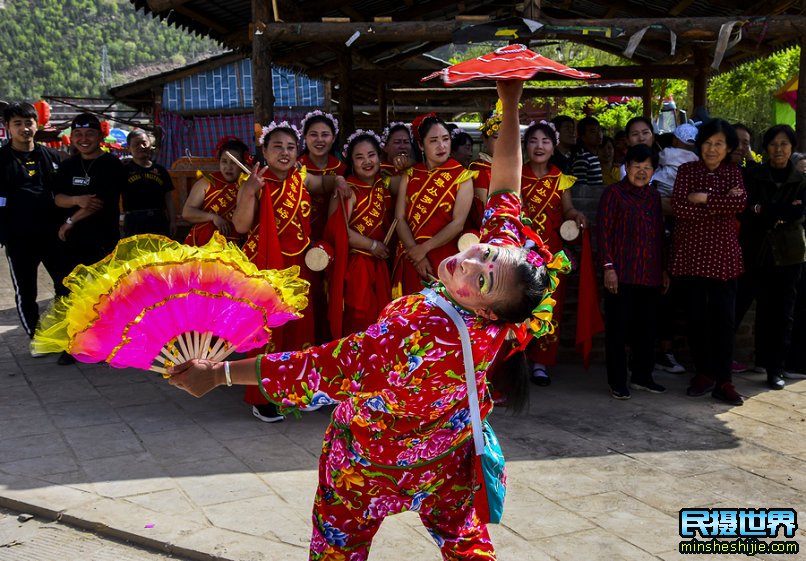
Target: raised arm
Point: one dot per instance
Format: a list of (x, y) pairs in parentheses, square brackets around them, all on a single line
[(508, 160)]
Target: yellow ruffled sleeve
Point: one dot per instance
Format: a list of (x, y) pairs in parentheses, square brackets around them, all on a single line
[(566, 182), (467, 174)]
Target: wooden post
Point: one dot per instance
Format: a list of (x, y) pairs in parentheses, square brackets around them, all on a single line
[(646, 95), (382, 106), (800, 112), (262, 92), (700, 96), (346, 94), (531, 9)]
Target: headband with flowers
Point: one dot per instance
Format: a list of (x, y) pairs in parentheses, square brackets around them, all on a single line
[(548, 124), (418, 120), (356, 134), (541, 321), (392, 125), (267, 129), (491, 124), (318, 113)]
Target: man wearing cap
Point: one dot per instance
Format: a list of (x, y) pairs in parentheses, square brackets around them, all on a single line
[(29, 219), (88, 185), (671, 158)]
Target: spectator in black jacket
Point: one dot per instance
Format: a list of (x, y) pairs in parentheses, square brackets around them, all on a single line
[(29, 219), (774, 249)]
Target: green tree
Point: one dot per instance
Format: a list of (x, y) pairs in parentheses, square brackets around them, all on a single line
[(54, 46)]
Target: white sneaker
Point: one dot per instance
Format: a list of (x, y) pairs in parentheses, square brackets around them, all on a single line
[(267, 413), (668, 362), (38, 355)]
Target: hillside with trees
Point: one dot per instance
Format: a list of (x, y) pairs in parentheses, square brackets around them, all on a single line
[(82, 47)]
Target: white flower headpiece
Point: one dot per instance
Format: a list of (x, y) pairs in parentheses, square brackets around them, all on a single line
[(266, 130), (456, 132), (358, 133), (319, 113), (392, 125), (548, 124)]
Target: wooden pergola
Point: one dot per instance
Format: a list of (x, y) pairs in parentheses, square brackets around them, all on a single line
[(374, 52)]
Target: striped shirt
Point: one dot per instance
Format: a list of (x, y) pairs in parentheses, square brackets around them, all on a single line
[(587, 169)]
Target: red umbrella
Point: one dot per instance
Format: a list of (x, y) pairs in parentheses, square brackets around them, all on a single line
[(513, 62)]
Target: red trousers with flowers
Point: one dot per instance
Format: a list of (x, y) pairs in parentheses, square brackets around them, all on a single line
[(355, 496)]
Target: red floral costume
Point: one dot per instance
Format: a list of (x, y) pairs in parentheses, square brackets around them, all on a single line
[(542, 205), (278, 240), (400, 437), (219, 198), (431, 197)]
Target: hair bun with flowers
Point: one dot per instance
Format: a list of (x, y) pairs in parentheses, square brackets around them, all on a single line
[(267, 129), (548, 124), (491, 123), (356, 134), (387, 131), (418, 120)]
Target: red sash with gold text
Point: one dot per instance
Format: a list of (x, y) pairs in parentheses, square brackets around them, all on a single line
[(220, 198), (542, 202), (285, 208)]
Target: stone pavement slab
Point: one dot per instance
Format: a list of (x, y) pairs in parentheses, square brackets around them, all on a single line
[(124, 454)]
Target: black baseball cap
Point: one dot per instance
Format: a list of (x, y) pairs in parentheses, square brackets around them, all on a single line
[(86, 121)]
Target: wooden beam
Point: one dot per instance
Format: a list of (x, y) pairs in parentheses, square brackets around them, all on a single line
[(196, 16), (427, 95), (158, 6), (680, 7), (262, 87), (375, 32), (682, 26)]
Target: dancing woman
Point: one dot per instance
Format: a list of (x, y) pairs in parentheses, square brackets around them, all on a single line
[(400, 438)]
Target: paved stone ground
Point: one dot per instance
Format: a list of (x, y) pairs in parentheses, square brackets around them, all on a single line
[(124, 454), (39, 540)]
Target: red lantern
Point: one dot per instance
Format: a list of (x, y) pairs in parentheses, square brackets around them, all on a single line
[(43, 112)]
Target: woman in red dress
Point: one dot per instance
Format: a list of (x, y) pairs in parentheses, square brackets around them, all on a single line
[(433, 202), (212, 198), (547, 203), (273, 209), (366, 288), (319, 133)]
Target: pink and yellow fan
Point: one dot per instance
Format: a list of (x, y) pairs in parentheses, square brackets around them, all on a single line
[(154, 302)]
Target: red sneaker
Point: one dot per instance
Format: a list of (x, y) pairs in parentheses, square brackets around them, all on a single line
[(727, 393), (700, 385)]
